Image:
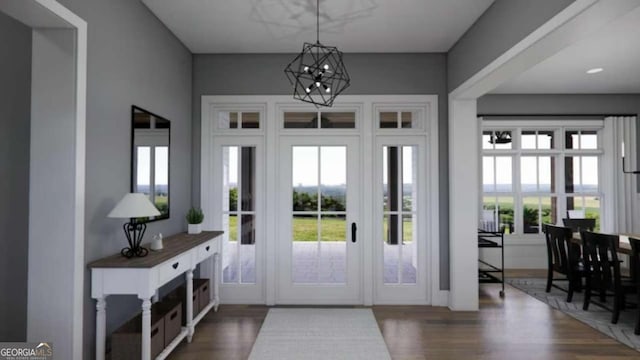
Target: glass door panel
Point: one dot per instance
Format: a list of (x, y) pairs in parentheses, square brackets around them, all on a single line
[(401, 220), (319, 263), (399, 210), (239, 253), (319, 214)]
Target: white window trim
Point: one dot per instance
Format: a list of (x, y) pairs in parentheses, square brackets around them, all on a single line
[(271, 130), (605, 176)]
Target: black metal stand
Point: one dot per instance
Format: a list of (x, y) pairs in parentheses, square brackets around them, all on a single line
[(134, 231), (489, 273)]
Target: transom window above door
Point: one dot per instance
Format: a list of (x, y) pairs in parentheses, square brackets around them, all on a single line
[(238, 119), (403, 119), (319, 120)]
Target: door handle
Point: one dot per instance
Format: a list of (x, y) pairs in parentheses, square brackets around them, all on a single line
[(354, 231)]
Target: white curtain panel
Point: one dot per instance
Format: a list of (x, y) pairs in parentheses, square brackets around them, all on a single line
[(626, 198)]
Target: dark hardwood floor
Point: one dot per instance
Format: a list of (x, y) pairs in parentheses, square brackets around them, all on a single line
[(516, 327)]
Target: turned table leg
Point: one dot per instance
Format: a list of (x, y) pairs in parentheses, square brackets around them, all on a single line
[(189, 300), (101, 327), (216, 281), (146, 329)]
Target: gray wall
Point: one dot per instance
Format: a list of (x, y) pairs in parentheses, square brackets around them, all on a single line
[(132, 59), (15, 115), (503, 25), (262, 74)]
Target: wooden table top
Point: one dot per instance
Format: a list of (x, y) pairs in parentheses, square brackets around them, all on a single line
[(172, 246), (624, 247)]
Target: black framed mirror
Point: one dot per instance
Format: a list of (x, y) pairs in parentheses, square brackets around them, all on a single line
[(150, 153)]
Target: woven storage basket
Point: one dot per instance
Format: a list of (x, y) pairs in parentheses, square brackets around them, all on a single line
[(126, 342)]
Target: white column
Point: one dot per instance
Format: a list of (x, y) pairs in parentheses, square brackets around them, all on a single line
[(146, 329), (463, 204), (189, 301), (56, 225), (101, 327)]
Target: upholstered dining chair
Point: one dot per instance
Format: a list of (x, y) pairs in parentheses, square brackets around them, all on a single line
[(562, 258), (602, 266)]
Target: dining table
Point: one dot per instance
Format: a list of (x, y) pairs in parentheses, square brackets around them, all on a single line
[(624, 246)]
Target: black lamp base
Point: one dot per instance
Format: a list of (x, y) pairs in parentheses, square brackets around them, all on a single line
[(134, 232), (137, 252)]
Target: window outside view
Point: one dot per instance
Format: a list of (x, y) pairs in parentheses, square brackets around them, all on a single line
[(159, 192), (522, 188)]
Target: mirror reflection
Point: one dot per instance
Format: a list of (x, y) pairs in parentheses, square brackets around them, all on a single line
[(150, 158)]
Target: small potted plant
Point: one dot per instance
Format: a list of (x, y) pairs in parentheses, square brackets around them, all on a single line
[(194, 219)]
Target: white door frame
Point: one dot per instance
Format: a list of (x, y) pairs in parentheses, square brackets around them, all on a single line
[(351, 291), (272, 128), (56, 218)]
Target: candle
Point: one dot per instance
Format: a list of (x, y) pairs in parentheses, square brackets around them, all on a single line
[(622, 149)]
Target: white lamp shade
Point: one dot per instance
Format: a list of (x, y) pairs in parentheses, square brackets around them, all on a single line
[(134, 205)]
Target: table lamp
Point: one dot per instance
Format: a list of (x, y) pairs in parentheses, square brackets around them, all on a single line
[(134, 206)]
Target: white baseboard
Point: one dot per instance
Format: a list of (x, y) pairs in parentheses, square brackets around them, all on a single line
[(440, 298)]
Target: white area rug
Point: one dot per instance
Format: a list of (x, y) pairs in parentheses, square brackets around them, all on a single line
[(319, 334)]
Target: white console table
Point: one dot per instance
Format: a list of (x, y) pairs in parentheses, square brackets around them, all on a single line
[(117, 275)]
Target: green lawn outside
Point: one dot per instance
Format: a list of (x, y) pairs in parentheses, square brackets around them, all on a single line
[(592, 208), (305, 229)]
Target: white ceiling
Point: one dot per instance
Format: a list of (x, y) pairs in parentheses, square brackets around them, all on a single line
[(281, 26), (616, 49)]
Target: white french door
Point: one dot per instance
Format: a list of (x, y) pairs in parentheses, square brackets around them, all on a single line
[(238, 190), (319, 249), (400, 220), (287, 183)]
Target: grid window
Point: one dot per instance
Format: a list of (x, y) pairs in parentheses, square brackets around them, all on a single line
[(581, 139), (238, 120), (319, 120), (528, 180), (532, 139), (399, 119)]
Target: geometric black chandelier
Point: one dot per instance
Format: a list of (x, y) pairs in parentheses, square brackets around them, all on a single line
[(318, 74)]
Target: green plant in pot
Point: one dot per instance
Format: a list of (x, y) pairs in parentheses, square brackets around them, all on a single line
[(194, 220)]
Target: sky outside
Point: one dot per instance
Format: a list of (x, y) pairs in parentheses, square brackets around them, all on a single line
[(161, 165)]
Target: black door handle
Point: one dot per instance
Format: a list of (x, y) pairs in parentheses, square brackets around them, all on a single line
[(354, 230)]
